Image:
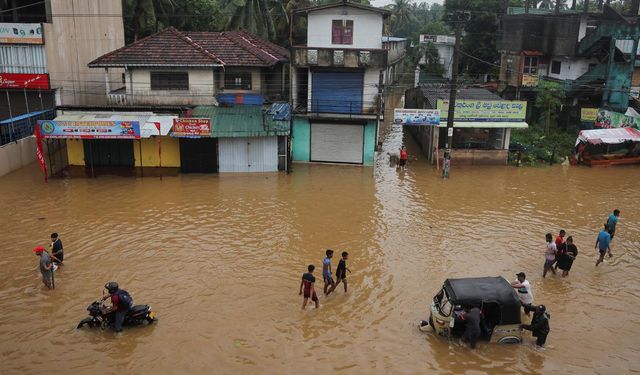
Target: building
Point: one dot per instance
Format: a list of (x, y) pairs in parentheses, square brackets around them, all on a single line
[(44, 50), (445, 45), (336, 83), (397, 48), (482, 126), (591, 55), (192, 102)]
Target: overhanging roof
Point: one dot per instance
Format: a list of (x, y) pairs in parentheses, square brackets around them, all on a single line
[(241, 121)]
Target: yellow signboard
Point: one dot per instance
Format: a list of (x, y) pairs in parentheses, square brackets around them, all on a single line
[(485, 110), (588, 114), (529, 80)]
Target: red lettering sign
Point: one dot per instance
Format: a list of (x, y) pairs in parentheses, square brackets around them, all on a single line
[(21, 81), (191, 127)]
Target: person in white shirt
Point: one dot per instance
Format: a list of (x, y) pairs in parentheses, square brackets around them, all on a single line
[(523, 287)]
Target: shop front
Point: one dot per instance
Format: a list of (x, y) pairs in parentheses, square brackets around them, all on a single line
[(198, 151)]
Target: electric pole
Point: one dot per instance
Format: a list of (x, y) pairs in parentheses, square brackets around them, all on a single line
[(458, 18)]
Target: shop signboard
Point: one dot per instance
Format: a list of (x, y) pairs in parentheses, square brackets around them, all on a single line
[(191, 127), (21, 33), (22, 81), (609, 119), (588, 114), (90, 129), (417, 117), (530, 80), (485, 110)]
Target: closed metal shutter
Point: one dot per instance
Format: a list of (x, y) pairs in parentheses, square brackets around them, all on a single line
[(336, 92), (248, 154), (340, 143)]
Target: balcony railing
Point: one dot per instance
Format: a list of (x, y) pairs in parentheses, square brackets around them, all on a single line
[(339, 57)]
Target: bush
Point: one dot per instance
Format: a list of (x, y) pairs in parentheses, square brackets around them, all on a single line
[(536, 148)]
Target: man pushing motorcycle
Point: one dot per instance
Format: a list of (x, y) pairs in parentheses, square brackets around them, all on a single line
[(121, 303)]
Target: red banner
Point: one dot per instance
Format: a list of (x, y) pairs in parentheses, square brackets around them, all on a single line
[(39, 154), (21, 81), (191, 127)]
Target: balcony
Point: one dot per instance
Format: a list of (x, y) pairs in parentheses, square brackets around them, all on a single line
[(120, 97), (304, 56)]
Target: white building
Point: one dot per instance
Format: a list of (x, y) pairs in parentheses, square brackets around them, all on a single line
[(445, 45)]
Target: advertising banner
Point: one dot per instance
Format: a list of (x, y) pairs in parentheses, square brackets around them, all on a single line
[(191, 127), (607, 119), (21, 81), (485, 110), (588, 114), (90, 129), (416, 117), (530, 80), (21, 33)]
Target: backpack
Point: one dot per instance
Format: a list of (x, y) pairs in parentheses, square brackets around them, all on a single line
[(125, 299)]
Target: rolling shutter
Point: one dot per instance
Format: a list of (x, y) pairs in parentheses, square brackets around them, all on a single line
[(336, 92), (339, 143), (248, 154)]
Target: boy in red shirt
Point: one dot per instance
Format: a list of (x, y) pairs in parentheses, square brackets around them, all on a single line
[(307, 283)]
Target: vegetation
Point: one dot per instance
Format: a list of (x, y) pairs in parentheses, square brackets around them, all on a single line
[(533, 147), (548, 103)]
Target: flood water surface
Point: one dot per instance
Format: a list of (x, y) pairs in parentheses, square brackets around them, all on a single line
[(219, 258)]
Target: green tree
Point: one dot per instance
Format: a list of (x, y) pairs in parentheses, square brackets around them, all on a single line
[(548, 103), (402, 17), (255, 16), (143, 16), (546, 4), (432, 65)]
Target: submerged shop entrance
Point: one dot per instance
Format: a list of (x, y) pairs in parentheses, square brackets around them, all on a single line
[(109, 156), (198, 155)]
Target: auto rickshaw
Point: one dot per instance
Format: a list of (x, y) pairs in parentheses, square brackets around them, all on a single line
[(494, 296)]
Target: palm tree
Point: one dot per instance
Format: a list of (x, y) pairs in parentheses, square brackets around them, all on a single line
[(402, 15), (147, 10), (251, 15), (545, 4)]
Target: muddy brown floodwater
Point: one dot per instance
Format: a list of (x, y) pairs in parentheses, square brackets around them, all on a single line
[(220, 258)]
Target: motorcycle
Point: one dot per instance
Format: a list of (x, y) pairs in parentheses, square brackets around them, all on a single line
[(137, 315)]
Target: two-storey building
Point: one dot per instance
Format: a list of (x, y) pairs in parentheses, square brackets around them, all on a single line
[(336, 83)]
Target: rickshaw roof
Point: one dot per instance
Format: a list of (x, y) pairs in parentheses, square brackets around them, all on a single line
[(475, 291)]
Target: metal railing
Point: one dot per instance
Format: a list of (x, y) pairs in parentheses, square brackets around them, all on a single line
[(13, 131)]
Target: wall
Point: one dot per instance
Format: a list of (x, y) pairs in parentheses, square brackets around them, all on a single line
[(370, 91), (367, 27), (201, 89), (570, 68), (256, 80), (397, 51), (150, 157), (301, 140), (446, 57), (71, 42), (476, 157), (16, 155)]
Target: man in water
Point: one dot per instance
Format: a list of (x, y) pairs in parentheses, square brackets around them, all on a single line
[(56, 248), (612, 221), (120, 303), (403, 157), (602, 244), (523, 287), (559, 244), (46, 267), (341, 272), (472, 326), (549, 255), (307, 285), (539, 326), (326, 272)]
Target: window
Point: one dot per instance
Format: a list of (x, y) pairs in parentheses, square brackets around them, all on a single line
[(555, 67), (237, 80), (169, 81), (342, 32), (530, 65)]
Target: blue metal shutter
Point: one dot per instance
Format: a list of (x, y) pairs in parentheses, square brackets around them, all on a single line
[(336, 92)]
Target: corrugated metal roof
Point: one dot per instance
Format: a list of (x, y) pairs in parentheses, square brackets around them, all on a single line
[(241, 121)]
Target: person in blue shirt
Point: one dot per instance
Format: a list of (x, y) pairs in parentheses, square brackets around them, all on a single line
[(326, 271), (602, 244), (612, 220)]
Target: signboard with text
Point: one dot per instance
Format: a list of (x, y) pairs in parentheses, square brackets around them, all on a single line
[(417, 117), (191, 127), (530, 80), (90, 129), (609, 119), (21, 33), (21, 81), (588, 114), (485, 110)]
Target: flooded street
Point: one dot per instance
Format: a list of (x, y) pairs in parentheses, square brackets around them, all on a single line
[(219, 258)]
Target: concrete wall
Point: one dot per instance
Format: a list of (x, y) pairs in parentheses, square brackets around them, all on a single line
[(367, 27), (87, 30), (397, 50), (201, 89), (476, 157), (370, 91), (570, 68), (16, 155)]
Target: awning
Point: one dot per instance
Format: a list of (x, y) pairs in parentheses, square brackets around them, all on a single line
[(608, 136), (241, 121), (487, 124), (149, 128)]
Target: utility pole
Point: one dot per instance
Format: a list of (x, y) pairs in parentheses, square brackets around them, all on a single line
[(458, 18)]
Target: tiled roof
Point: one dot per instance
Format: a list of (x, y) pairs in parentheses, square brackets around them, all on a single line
[(171, 47)]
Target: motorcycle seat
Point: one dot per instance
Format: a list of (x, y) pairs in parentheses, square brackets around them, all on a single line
[(137, 309)]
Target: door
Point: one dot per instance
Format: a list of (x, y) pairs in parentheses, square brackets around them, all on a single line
[(249, 154), (338, 143), (336, 92), (198, 155), (108, 152)]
